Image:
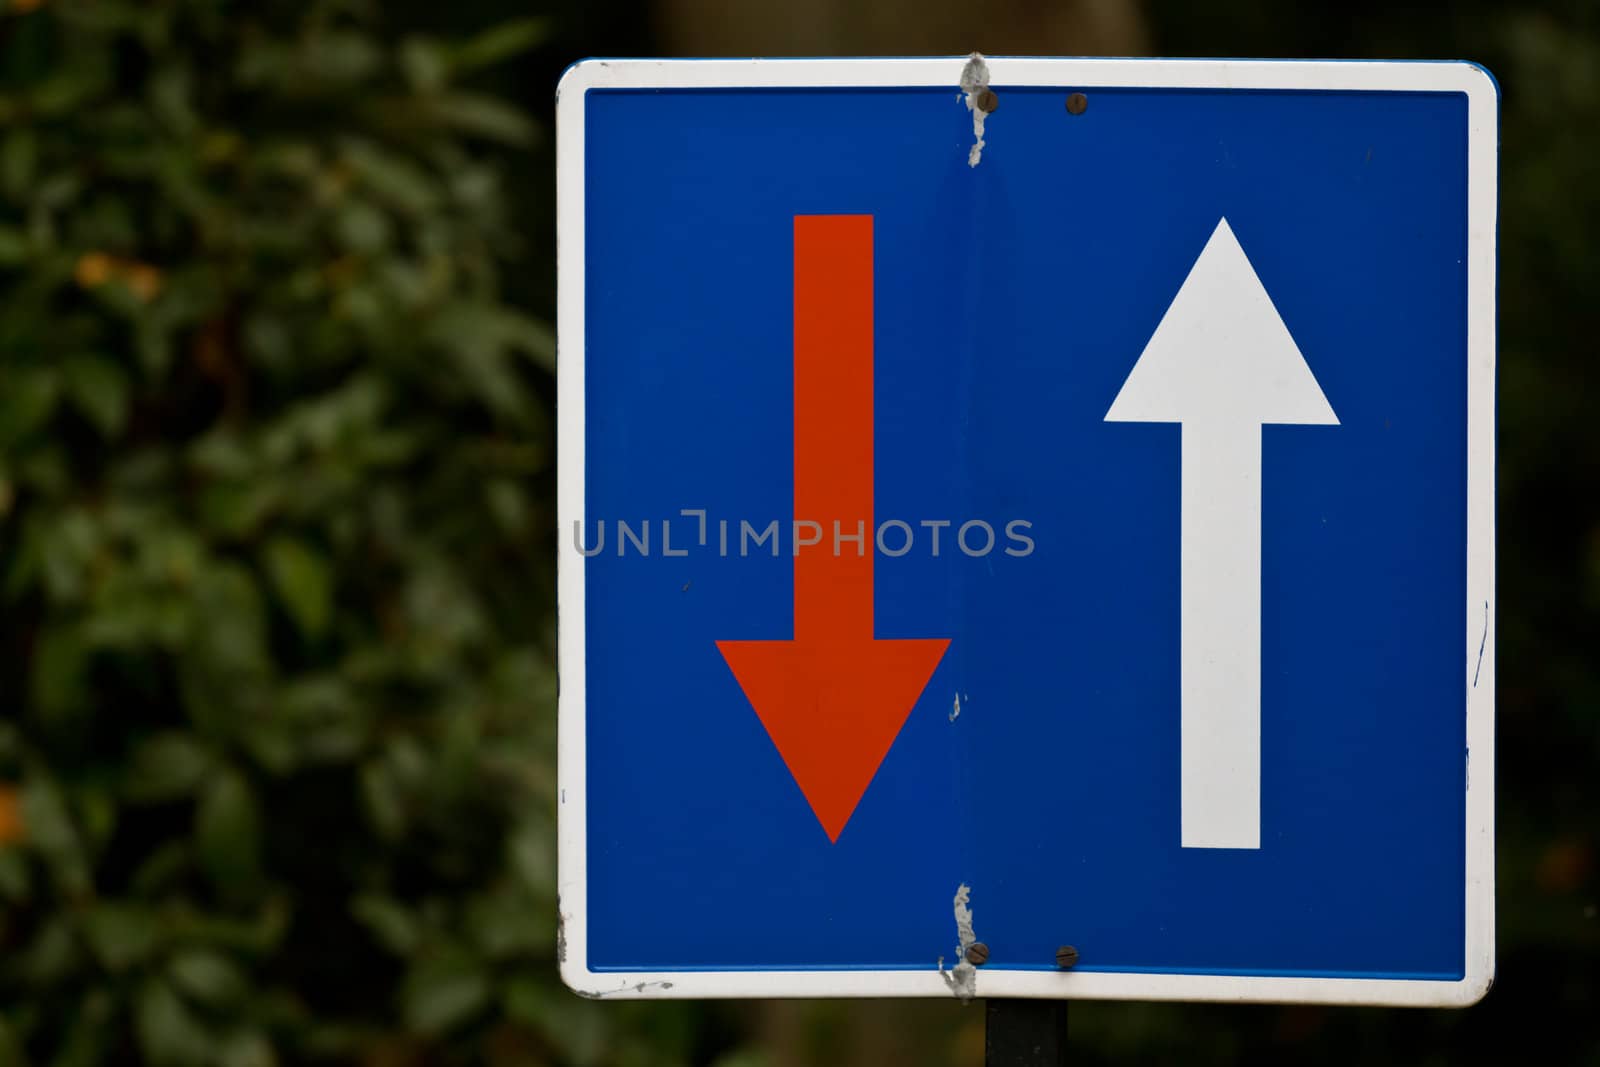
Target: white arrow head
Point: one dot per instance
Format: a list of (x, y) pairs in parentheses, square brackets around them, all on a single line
[(1222, 353)]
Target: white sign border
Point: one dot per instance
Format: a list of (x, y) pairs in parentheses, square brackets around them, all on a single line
[(1088, 74)]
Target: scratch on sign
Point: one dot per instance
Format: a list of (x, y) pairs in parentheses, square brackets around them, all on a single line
[(637, 987), (1482, 644), (963, 977)]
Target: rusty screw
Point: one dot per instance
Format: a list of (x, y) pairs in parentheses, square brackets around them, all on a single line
[(977, 953), (987, 101), (1066, 956), (1077, 103)]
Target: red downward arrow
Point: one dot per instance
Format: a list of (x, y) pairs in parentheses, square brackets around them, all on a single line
[(834, 698)]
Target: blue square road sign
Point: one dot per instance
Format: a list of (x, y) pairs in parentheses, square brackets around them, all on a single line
[(985, 519)]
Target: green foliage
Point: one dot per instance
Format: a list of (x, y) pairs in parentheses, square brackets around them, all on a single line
[(276, 688)]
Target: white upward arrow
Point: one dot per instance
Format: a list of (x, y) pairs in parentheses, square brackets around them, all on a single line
[(1222, 363)]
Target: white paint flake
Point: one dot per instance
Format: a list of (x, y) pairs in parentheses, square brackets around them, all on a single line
[(963, 977), (974, 80)]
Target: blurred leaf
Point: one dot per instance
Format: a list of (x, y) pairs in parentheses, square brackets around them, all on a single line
[(50, 829), (395, 180), (228, 832), (19, 161), (51, 955), (68, 541), (484, 116), (389, 922), (533, 853), (166, 766), (60, 672), (100, 390), (16, 881), (745, 1058), (257, 935), (66, 89), (509, 504), (505, 924), (27, 400), (93, 1032), (426, 63), (96, 805), (576, 1028), (499, 43), (121, 935), (303, 584), (443, 990), (363, 228), (161, 869), (13, 246), (247, 1050), (168, 1034), (206, 977), (382, 800), (338, 57), (11, 1049)]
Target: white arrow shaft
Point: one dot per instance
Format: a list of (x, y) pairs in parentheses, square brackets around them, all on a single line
[(1220, 615)]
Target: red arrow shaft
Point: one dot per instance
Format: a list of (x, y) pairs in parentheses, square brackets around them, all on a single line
[(833, 698), (833, 426)]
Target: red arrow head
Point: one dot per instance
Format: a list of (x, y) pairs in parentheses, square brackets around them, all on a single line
[(833, 707)]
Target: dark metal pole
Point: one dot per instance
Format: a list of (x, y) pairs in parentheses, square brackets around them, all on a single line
[(1025, 1033)]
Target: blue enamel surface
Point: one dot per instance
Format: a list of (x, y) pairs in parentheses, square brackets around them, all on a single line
[(1011, 300)]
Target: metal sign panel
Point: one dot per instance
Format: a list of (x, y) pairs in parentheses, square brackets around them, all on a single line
[(1027, 529)]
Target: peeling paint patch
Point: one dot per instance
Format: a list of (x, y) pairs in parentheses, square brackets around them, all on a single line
[(974, 80), (955, 712), (1482, 644), (963, 977)]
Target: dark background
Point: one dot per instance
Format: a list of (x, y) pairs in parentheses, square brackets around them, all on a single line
[(276, 533)]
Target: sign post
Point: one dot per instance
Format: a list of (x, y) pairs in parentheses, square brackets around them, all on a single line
[(1027, 532)]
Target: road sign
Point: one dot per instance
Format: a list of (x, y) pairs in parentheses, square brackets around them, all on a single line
[(1027, 529)]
